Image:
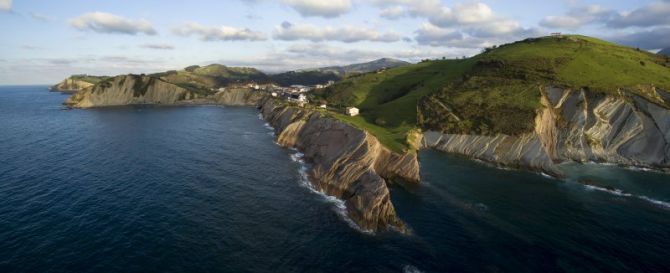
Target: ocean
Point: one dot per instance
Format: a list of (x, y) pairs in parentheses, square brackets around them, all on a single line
[(206, 189)]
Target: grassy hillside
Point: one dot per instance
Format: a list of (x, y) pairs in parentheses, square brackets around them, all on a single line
[(497, 91), (88, 78), (204, 78)]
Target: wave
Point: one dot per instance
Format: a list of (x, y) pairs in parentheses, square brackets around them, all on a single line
[(338, 204), (619, 192), (410, 269)]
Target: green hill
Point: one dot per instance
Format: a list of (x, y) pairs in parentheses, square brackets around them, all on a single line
[(497, 91), (89, 78), (212, 76)]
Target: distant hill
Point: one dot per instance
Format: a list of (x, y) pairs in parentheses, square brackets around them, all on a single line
[(664, 52), (212, 76), (333, 73), (362, 67)]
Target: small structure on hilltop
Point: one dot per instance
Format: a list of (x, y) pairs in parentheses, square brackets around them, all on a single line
[(352, 111)]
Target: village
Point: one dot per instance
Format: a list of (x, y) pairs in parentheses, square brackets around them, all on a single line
[(297, 94)]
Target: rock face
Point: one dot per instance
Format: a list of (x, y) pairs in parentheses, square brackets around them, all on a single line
[(136, 89), (624, 129), (71, 85), (347, 163), (238, 97)]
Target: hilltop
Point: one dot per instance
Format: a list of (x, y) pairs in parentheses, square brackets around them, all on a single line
[(76, 83), (497, 91), (205, 78)]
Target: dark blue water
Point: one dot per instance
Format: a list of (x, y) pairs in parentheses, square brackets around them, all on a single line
[(205, 189)]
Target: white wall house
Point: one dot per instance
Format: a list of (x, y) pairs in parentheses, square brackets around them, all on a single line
[(297, 98), (352, 111)]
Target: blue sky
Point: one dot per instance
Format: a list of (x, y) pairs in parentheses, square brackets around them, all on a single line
[(45, 41)]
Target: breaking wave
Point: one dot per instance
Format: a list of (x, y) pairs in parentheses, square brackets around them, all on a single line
[(338, 204), (619, 192)]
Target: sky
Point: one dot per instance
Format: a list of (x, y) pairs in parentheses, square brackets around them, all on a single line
[(45, 41)]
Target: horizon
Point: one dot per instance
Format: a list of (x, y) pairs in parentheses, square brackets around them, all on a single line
[(50, 41)]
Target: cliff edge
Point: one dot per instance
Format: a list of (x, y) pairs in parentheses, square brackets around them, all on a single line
[(142, 89), (347, 163)]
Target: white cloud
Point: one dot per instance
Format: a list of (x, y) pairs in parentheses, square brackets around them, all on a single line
[(322, 8), (576, 17), (473, 37), (348, 34), (5, 5), (651, 15), (158, 46), (222, 33), (103, 22)]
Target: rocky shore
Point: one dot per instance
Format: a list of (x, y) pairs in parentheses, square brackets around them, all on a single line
[(347, 163)]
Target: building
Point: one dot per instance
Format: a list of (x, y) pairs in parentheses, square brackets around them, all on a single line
[(274, 94), (323, 106), (301, 98), (352, 111)]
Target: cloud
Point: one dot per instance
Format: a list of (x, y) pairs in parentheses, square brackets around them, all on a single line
[(473, 37), (577, 17), (222, 33), (5, 5), (321, 8), (651, 15), (649, 39), (469, 13), (654, 14), (470, 24), (348, 34), (158, 46), (103, 22)]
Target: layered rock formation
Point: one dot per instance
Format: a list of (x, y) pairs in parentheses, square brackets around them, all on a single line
[(347, 163), (71, 85), (575, 125), (140, 89), (238, 97)]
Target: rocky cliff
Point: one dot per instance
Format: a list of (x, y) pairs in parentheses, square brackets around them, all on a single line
[(71, 85), (140, 89), (575, 125), (347, 163)]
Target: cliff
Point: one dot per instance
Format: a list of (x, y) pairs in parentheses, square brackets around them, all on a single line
[(347, 163), (575, 125), (140, 89), (71, 85)]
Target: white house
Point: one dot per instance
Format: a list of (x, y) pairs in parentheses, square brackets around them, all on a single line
[(297, 98), (352, 111), (323, 106)]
